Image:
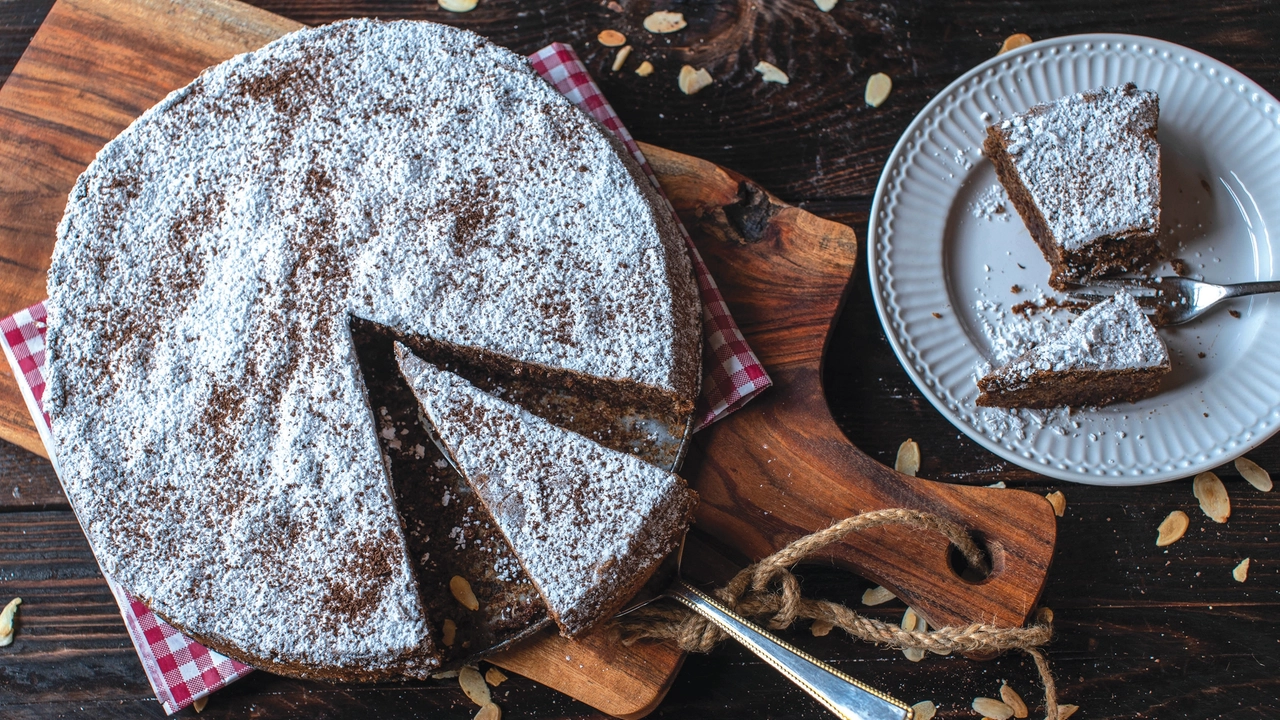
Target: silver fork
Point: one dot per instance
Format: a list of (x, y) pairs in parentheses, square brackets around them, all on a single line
[(1170, 300)]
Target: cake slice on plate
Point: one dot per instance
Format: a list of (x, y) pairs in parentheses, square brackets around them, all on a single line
[(588, 524), (1111, 352), (1084, 173)]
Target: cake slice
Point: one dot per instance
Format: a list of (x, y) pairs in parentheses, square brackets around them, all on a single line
[(588, 524), (1084, 173), (1111, 352)]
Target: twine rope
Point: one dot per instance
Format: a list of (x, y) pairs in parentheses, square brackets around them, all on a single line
[(751, 593)]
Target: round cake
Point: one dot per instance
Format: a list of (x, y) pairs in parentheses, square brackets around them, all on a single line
[(209, 417)]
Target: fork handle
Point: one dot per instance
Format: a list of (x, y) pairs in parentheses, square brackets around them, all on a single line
[(841, 694), (1251, 288)]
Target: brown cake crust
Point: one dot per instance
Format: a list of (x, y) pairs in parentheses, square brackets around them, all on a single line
[(1051, 389)]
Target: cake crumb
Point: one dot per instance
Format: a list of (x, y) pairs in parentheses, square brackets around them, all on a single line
[(1234, 313)]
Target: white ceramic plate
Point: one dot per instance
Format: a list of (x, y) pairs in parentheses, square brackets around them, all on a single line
[(936, 247)]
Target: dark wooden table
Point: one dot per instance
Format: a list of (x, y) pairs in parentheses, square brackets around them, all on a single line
[(1142, 631)]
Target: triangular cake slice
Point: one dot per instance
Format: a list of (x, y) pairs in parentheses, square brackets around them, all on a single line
[(1111, 352), (1084, 173), (588, 524)]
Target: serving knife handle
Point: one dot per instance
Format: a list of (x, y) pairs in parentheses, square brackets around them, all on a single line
[(839, 693)]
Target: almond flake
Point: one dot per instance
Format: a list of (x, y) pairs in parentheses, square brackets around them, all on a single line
[(6, 622), (691, 80), (1058, 501), (199, 703), (445, 675), (449, 632), (458, 6), (876, 596), (912, 622), (494, 676), (645, 69), (474, 686), (923, 710), (1013, 700), (461, 590), (993, 709), (1013, 42), (611, 38), (1241, 571), (908, 461), (1256, 476), (825, 5), (663, 22), (621, 58), (772, 73), (1212, 495), (1045, 616), (821, 628), (878, 87), (1066, 711), (1172, 529), (489, 712)]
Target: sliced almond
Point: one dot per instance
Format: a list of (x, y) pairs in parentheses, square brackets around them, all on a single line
[(458, 6), (692, 80), (1172, 529), (1256, 476), (6, 621), (621, 57), (908, 460), (461, 590), (494, 676), (199, 703), (645, 69), (1058, 501), (1241, 571), (825, 5), (444, 675), (1045, 615), (611, 38), (474, 686), (449, 633), (1066, 711), (821, 628), (489, 712), (1013, 42), (878, 87), (1014, 701), (772, 73), (1212, 495), (912, 622), (664, 21), (993, 709), (923, 710), (876, 596)]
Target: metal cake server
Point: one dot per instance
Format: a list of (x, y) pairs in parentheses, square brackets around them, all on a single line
[(844, 696), (1171, 300)]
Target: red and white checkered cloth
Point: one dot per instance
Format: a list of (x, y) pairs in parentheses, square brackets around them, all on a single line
[(182, 670)]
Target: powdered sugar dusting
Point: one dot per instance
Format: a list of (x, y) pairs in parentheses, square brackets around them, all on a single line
[(1091, 163), (1113, 335), (586, 522), (991, 204), (208, 413)]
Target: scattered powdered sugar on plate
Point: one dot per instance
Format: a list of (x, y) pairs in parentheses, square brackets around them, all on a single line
[(991, 204), (1011, 335)]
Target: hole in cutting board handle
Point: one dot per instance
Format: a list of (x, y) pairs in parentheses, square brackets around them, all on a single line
[(972, 575)]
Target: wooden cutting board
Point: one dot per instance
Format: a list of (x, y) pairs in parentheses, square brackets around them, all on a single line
[(768, 474)]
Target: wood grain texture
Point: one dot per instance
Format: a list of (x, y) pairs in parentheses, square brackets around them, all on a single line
[(1142, 632)]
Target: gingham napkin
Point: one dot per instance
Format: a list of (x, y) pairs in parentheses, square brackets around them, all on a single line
[(181, 670)]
